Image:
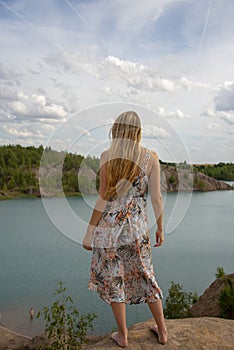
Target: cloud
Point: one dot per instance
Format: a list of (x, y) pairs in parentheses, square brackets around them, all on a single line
[(35, 107), (227, 117), (137, 75), (7, 74), (21, 132), (153, 131), (213, 126), (55, 62), (72, 62), (189, 84), (177, 114), (18, 106), (224, 101), (223, 104), (7, 92)]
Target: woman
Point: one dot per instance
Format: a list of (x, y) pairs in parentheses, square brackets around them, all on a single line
[(118, 231)]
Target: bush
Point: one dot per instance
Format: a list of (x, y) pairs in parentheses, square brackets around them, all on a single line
[(65, 327), (226, 300), (220, 272), (172, 179), (178, 302)]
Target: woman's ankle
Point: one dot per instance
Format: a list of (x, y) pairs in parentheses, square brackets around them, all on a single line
[(123, 333), (163, 335)]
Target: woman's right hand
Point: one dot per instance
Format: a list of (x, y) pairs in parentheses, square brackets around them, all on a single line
[(88, 238), (159, 238)]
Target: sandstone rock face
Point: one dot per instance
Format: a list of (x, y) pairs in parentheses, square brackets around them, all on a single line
[(176, 179), (184, 334), (172, 179), (207, 304)]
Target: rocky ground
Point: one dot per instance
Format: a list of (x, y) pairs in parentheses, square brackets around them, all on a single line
[(184, 334), (207, 304)]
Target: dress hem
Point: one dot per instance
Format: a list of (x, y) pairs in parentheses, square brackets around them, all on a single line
[(152, 299)]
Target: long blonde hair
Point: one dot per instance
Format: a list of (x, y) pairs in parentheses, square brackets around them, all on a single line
[(124, 154)]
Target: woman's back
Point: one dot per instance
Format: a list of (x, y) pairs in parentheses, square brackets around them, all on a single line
[(121, 267)]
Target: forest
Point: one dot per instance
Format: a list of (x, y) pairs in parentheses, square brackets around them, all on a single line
[(220, 171), (19, 170)]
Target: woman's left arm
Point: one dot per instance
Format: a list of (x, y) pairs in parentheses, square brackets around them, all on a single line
[(100, 203)]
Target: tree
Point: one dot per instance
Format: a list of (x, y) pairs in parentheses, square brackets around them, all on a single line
[(220, 272), (226, 296), (178, 302), (65, 327), (226, 300)]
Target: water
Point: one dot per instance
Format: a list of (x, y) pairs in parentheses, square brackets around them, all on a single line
[(34, 256)]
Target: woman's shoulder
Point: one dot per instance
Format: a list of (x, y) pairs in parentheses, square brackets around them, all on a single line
[(152, 153), (153, 161), (104, 157), (104, 154)]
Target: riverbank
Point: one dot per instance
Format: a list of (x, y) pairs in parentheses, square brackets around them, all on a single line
[(12, 340), (18, 195), (202, 183)]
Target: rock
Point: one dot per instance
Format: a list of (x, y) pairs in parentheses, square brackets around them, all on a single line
[(3, 193), (177, 179), (36, 342), (184, 334), (207, 304), (11, 340)]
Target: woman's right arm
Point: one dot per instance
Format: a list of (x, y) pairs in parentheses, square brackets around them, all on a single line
[(100, 203), (156, 198)]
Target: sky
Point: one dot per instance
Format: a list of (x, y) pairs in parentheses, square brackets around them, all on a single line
[(68, 68)]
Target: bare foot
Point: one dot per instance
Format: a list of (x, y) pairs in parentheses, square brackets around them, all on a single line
[(162, 336), (119, 339)]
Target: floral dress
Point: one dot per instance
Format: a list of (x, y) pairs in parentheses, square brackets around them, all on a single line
[(121, 266)]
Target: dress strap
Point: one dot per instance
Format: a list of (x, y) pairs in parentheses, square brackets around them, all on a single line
[(145, 162)]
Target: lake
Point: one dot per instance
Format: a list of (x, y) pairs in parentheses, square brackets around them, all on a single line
[(34, 256)]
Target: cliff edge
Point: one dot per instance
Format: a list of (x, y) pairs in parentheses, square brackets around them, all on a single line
[(208, 303), (184, 334)]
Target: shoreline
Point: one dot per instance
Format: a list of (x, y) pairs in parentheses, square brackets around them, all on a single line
[(16, 334), (13, 340), (36, 196), (77, 194)]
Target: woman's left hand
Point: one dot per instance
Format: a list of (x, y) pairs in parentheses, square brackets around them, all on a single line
[(159, 238)]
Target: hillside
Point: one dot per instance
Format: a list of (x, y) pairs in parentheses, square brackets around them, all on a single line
[(207, 304), (20, 168)]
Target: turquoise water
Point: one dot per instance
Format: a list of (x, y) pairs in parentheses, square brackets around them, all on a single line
[(34, 256)]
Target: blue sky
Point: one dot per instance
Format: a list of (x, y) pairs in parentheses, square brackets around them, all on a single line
[(68, 67)]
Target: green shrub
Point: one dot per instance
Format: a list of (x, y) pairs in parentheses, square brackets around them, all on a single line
[(226, 300), (220, 272), (65, 327), (201, 185), (172, 179), (178, 302)]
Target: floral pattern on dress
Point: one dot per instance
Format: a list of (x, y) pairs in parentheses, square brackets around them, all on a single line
[(121, 266)]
